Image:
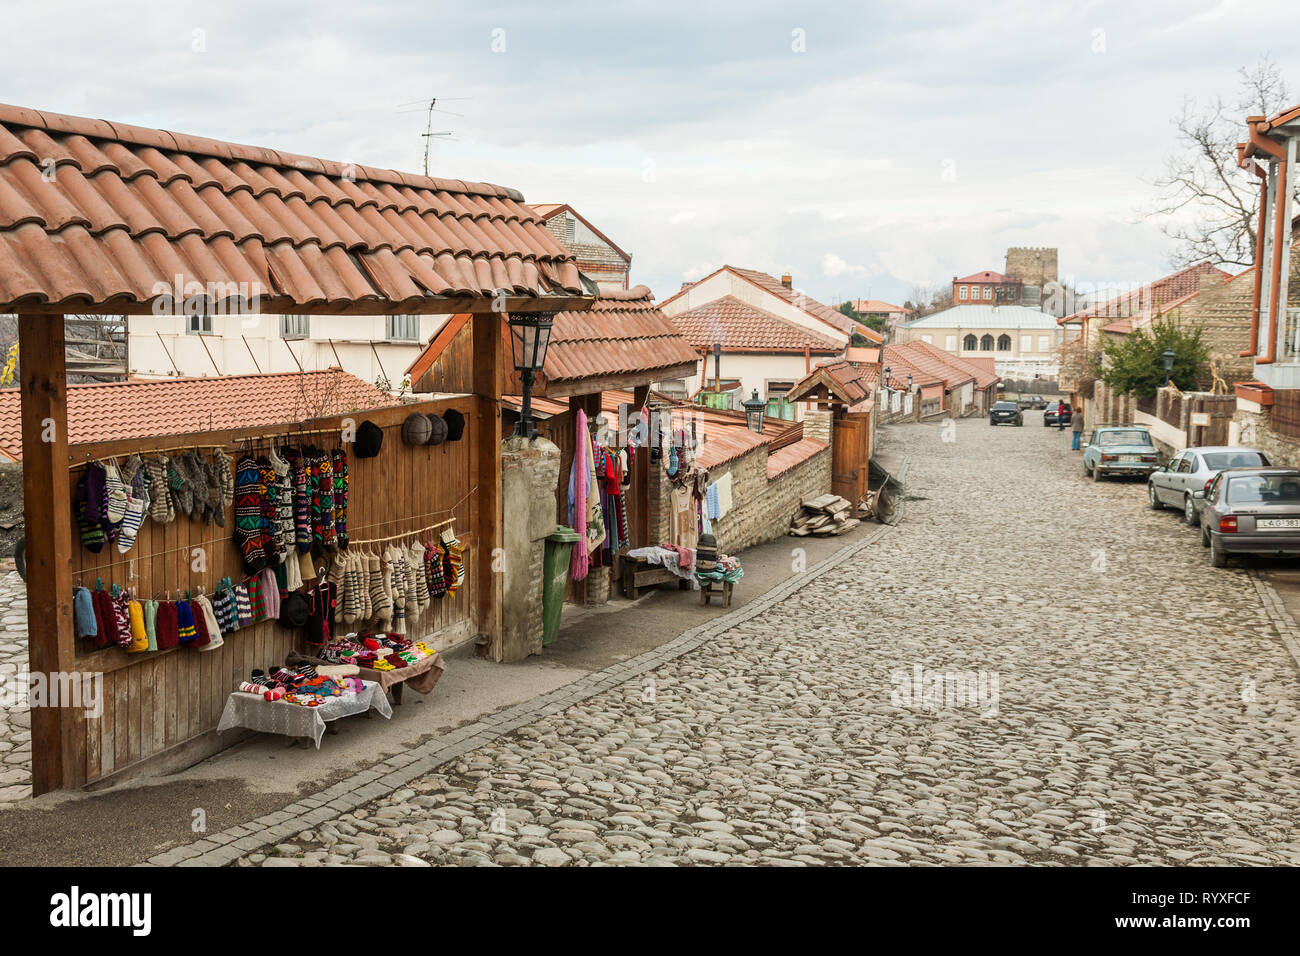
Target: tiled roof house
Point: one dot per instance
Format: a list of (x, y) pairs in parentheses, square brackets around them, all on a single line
[(770, 333)]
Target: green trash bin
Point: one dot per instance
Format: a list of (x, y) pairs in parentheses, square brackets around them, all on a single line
[(555, 577)]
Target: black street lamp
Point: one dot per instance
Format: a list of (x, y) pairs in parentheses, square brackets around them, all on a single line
[(530, 333), (1168, 356), (888, 369), (754, 408)]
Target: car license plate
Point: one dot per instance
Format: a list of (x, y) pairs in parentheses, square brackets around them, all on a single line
[(1130, 459), (1277, 522)]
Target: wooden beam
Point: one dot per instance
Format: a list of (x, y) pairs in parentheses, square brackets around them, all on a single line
[(488, 368), (48, 520)]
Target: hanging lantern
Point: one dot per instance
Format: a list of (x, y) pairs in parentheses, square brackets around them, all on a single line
[(530, 334), (754, 409)]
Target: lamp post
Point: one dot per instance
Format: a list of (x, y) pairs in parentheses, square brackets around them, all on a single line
[(754, 408), (888, 369), (1168, 357), (530, 333)]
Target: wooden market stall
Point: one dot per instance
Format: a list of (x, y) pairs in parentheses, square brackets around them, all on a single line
[(99, 217), (598, 361)]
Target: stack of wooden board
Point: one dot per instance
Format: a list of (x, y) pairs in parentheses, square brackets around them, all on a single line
[(823, 516)]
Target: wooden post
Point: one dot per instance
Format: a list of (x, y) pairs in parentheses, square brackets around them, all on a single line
[(48, 516), (488, 367)]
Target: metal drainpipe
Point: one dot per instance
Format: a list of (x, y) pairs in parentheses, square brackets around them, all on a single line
[(1253, 351), (1275, 280)]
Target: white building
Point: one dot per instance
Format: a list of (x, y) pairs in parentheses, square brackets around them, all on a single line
[(1023, 342), (770, 334), (374, 348)]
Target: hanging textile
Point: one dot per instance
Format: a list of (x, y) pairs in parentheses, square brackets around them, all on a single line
[(578, 484)]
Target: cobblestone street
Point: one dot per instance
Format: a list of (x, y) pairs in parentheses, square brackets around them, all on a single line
[(1135, 706), (15, 722)]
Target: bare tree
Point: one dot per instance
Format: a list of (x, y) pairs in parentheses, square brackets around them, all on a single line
[(1209, 203)]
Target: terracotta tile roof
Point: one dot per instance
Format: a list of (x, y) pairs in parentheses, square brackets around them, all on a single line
[(1144, 302), (740, 327), (983, 375), (876, 305), (985, 276), (139, 408), (624, 333), (130, 207), (783, 459), (850, 382), (903, 361)]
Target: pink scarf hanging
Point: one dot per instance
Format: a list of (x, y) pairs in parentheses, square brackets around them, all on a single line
[(578, 496)]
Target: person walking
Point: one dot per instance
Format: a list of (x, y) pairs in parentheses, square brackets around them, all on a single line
[(1061, 409), (1076, 426)]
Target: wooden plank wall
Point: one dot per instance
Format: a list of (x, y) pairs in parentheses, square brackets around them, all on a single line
[(157, 701)]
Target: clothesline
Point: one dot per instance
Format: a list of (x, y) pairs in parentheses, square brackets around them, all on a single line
[(374, 524)]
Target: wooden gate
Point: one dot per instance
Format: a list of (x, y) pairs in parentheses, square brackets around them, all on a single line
[(850, 452)]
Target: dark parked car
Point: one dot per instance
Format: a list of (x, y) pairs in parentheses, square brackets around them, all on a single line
[(1056, 412), (1251, 511), (1005, 413)]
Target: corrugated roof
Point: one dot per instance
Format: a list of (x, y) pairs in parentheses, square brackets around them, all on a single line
[(740, 327), (623, 333), (985, 317), (129, 208), (111, 411)]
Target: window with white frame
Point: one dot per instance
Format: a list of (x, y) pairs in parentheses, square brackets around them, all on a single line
[(950, 343), (402, 328), (988, 292), (198, 324), (295, 326), (1026, 343), (1044, 343), (961, 291)]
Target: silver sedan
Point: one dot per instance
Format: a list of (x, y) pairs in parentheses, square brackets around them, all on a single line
[(1189, 471), (1251, 511)]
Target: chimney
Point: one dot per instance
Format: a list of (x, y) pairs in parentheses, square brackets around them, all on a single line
[(787, 280)]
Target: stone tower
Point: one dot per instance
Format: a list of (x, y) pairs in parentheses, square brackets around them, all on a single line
[(1032, 266)]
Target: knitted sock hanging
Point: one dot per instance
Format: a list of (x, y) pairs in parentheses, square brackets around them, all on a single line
[(339, 462), (301, 501), (270, 508), (248, 514)]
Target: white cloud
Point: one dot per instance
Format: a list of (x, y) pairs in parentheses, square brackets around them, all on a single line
[(690, 135)]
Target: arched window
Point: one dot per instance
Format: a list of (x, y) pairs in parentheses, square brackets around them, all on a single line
[(986, 343), (970, 343), (1004, 343)]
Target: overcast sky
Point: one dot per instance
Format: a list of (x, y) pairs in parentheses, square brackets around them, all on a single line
[(863, 146)]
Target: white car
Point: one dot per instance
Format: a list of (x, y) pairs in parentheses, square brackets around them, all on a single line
[(1191, 470)]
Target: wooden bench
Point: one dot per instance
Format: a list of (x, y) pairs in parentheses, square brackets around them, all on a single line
[(637, 573)]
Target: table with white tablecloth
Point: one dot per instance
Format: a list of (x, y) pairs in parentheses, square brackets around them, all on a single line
[(255, 712)]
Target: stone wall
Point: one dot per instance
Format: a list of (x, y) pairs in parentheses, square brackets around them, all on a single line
[(1032, 266), (1251, 428), (530, 473), (761, 507), (11, 506), (817, 425)]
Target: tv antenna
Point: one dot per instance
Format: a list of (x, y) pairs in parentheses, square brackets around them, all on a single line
[(429, 132)]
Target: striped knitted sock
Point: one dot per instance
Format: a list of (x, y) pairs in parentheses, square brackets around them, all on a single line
[(243, 609), (130, 523)]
